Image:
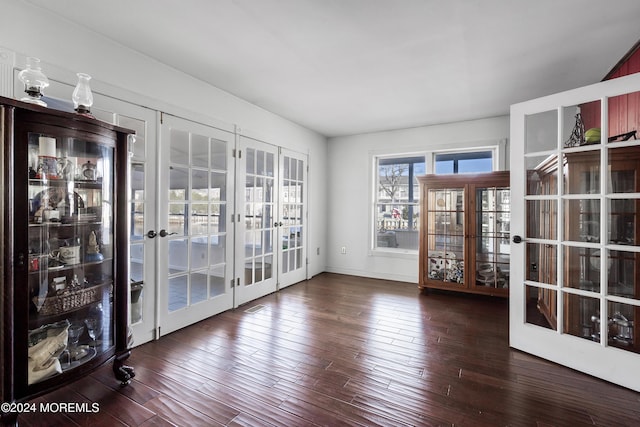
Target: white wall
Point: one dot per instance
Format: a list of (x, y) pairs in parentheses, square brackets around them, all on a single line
[(117, 71), (349, 183)]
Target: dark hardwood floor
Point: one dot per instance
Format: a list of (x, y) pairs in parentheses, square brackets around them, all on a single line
[(341, 350)]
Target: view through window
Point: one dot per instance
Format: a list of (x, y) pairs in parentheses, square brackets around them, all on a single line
[(397, 196)]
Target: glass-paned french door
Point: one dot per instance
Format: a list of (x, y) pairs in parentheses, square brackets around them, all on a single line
[(292, 218), (575, 289), (256, 224), (195, 245), (271, 226)]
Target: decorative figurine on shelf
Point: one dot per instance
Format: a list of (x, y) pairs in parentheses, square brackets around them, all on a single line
[(34, 81), (82, 96), (93, 250), (89, 171), (577, 136)]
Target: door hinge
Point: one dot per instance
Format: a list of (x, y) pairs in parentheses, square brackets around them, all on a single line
[(161, 117), (233, 218), (232, 280), (236, 152)]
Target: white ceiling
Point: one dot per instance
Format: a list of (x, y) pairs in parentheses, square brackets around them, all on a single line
[(343, 67)]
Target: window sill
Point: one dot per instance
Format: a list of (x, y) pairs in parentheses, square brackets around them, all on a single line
[(394, 253)]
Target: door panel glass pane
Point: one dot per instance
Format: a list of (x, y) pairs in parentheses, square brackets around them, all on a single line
[(217, 220), (581, 316), (218, 155), (542, 175), (542, 263), (199, 253), (249, 272), (199, 151), (622, 327), (137, 198), (178, 255), (541, 131), (218, 192), (622, 170), (582, 220), (267, 239), (198, 287), (298, 258), (591, 115), (622, 272), (622, 221), (178, 183), (136, 272), (199, 218), (270, 167), (260, 162), (217, 250), (541, 307), (139, 148), (285, 261), (199, 185), (266, 266), (177, 293), (177, 218), (582, 266), (251, 161), (582, 174), (623, 120), (542, 219), (179, 147), (216, 281)]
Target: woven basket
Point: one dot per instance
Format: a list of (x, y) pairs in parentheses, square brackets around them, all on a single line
[(69, 300)]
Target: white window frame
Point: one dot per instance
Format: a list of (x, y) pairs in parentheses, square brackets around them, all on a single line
[(499, 156)]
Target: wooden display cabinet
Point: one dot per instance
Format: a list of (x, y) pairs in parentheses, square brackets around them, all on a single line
[(464, 234), (64, 255), (582, 221)]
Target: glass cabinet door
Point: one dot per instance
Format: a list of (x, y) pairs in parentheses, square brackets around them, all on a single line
[(446, 234), (70, 253), (491, 239)]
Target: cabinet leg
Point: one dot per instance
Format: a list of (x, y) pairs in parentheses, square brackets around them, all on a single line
[(122, 372)]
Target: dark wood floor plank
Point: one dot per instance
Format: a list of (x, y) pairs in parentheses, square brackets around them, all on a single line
[(343, 350)]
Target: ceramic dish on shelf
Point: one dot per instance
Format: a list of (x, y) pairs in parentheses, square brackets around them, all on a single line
[(79, 356)]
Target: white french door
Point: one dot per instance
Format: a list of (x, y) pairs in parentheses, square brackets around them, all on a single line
[(575, 264), (195, 242), (256, 225), (292, 218)]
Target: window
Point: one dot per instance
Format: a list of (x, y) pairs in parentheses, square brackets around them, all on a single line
[(397, 207), (469, 162), (396, 195)]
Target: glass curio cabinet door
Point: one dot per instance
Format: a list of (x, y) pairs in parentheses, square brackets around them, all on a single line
[(577, 245), (491, 248), (70, 198), (446, 235)]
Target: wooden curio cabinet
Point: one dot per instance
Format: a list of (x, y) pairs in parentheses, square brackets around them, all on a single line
[(584, 212), (64, 251), (464, 232)]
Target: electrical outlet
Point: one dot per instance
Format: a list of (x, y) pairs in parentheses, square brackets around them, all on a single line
[(343, 250)]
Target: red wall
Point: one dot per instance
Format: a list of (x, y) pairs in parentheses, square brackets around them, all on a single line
[(624, 111)]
